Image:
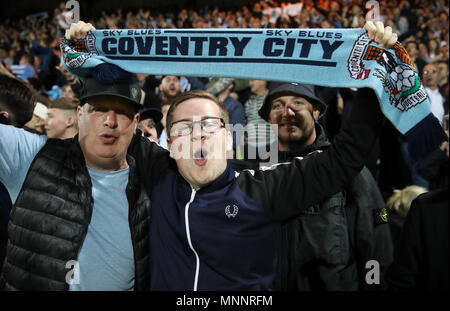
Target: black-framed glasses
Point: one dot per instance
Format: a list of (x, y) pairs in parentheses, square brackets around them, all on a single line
[(208, 126)]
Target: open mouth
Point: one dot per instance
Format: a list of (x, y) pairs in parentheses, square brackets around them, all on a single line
[(108, 138), (200, 157)]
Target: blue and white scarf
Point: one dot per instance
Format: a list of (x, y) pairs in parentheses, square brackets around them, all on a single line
[(326, 57)]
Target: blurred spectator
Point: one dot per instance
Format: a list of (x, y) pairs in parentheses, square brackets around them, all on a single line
[(36, 124), (423, 52), (400, 201), (413, 50), (170, 87), (433, 49), (434, 167), (235, 110), (398, 206), (25, 69), (257, 129), (443, 80), (165, 105), (431, 79), (16, 101), (16, 108), (148, 119), (5, 57), (401, 24), (44, 51), (62, 120), (67, 91), (421, 255)]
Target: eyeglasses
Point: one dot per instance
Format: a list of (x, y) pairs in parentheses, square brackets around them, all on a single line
[(429, 72), (208, 126)]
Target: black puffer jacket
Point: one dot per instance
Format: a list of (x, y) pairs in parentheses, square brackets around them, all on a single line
[(327, 246), (50, 219)]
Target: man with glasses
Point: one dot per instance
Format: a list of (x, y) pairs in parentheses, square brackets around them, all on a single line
[(215, 229)]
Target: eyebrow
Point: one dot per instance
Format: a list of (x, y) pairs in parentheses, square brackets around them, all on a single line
[(281, 100), (203, 118)]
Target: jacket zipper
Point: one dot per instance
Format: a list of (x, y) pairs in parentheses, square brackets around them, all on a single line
[(188, 234)]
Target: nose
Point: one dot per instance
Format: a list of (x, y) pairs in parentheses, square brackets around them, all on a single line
[(110, 119), (288, 111), (147, 132), (197, 131)]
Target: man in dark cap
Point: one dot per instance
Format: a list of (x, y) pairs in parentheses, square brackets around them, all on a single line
[(149, 118), (80, 217), (327, 246)]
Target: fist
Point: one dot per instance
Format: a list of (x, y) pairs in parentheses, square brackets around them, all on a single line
[(380, 34), (78, 31)]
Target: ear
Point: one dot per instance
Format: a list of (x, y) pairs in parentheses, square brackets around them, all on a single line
[(316, 114), (137, 116), (70, 121), (79, 113), (169, 146)]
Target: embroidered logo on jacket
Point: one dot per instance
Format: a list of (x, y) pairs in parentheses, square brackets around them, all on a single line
[(229, 213), (381, 216)]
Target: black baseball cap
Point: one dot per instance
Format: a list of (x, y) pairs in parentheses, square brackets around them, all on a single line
[(277, 89), (153, 113), (129, 91)]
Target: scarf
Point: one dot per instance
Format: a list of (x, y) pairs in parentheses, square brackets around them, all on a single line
[(326, 57)]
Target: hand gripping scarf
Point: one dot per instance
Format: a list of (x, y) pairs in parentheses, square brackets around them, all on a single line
[(326, 57)]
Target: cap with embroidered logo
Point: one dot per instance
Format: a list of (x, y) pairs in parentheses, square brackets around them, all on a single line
[(129, 91)]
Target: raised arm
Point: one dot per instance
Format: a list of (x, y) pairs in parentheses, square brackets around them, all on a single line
[(284, 189), (17, 150)]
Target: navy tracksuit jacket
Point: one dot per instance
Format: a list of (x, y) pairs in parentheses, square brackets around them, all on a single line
[(224, 236)]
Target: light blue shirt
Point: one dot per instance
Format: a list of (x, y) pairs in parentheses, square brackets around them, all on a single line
[(17, 150), (163, 140), (106, 259)]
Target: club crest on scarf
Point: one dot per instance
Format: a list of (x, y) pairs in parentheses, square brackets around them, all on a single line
[(399, 78), (76, 53)]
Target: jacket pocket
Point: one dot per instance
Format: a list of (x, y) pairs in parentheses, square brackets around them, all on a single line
[(323, 234)]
